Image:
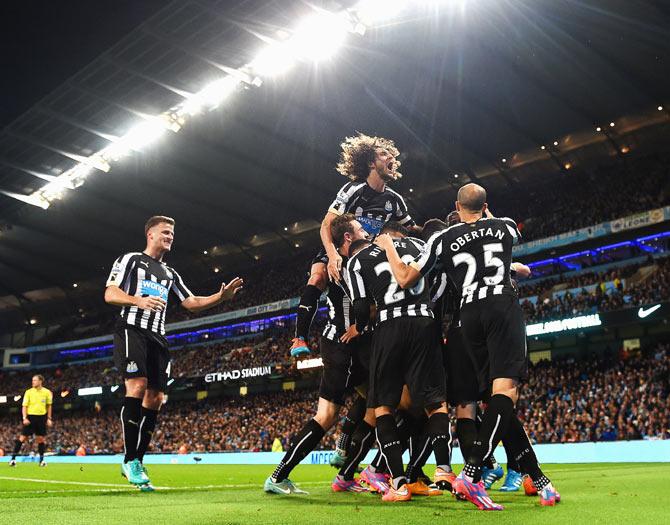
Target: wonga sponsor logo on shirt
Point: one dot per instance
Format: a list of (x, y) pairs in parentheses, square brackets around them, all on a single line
[(154, 289)]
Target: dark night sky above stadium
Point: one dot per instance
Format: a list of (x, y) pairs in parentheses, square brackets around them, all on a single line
[(43, 42)]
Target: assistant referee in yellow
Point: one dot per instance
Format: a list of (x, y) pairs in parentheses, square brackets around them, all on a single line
[(36, 411)]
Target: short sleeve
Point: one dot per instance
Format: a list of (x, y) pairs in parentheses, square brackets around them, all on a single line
[(513, 229), (430, 254), (120, 270), (354, 280), (179, 288), (26, 398), (344, 196), (401, 214)]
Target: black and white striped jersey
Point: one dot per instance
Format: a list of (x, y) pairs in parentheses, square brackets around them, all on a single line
[(140, 275), (368, 275), (340, 312), (477, 256), (372, 208)]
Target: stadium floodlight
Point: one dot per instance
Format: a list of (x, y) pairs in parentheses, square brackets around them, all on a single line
[(660, 108), (210, 97), (316, 38), (370, 12)]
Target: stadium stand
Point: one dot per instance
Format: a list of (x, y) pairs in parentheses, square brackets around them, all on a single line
[(616, 397)]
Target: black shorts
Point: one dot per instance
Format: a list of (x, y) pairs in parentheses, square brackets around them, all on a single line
[(345, 366), (463, 383), (138, 353), (321, 257), (405, 352), (494, 333), (37, 426)]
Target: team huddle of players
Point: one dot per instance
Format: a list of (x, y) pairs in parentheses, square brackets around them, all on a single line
[(390, 287)]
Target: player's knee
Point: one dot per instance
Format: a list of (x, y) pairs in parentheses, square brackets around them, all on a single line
[(318, 279), (153, 399), (383, 411), (136, 387), (326, 415), (434, 408)]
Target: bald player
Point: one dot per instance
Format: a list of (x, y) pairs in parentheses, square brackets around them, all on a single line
[(477, 256)]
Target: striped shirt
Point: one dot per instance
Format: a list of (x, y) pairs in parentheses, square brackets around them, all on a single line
[(340, 312), (140, 275), (477, 257), (368, 275), (372, 208)]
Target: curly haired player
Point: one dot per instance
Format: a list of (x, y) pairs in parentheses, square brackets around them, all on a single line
[(370, 163)]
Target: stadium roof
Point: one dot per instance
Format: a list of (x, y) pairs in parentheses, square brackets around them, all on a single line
[(459, 85)]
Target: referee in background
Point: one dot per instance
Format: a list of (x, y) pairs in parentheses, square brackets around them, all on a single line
[(36, 411)]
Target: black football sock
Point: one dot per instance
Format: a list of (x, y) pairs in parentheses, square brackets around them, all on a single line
[(378, 464), (391, 448), (147, 426), (420, 451), (466, 431), (439, 430), (512, 463), (309, 301), (131, 414), (361, 441), (40, 450), (351, 420), (522, 450), (494, 425), (17, 448), (307, 440), (489, 462)]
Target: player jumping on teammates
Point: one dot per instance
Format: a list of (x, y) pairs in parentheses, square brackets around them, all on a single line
[(36, 412), (370, 163), (140, 283)]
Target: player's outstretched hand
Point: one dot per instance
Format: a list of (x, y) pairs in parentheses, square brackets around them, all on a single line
[(155, 304), (229, 290), (351, 333), (334, 267), (384, 241)]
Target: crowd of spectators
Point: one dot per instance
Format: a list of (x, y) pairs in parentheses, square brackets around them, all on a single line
[(654, 288), (270, 347), (587, 198), (606, 398), (600, 399)]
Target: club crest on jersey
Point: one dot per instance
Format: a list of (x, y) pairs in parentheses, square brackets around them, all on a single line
[(132, 367), (388, 206)]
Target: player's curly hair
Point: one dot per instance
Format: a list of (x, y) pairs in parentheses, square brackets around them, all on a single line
[(359, 151)]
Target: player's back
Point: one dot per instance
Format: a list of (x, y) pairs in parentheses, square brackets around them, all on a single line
[(370, 269), (477, 256)]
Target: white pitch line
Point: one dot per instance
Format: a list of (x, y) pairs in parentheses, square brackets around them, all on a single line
[(130, 487)]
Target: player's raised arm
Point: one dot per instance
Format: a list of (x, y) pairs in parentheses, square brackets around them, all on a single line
[(521, 270), (406, 276), (334, 259), (196, 303)]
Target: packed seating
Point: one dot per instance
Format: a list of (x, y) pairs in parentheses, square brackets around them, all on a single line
[(620, 396)]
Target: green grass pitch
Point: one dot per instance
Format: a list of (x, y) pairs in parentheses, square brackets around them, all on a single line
[(204, 494)]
